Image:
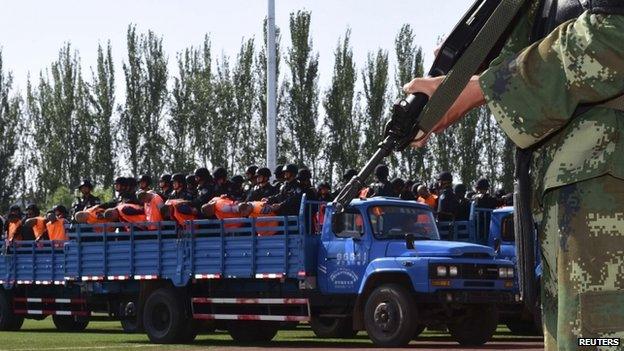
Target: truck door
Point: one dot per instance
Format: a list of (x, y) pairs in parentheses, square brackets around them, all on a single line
[(344, 253)]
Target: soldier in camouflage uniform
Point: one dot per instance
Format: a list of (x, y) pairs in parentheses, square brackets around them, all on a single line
[(578, 164)]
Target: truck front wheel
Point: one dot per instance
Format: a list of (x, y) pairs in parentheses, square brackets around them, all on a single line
[(164, 318), (476, 327), (331, 328), (390, 316)]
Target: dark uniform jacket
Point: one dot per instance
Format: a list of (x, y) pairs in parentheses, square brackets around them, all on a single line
[(380, 188), (448, 205), (261, 191), (288, 198), (86, 202)]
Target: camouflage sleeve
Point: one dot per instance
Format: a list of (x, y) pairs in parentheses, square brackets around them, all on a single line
[(534, 93)]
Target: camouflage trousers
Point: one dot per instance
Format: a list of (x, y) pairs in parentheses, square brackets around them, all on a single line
[(582, 241)]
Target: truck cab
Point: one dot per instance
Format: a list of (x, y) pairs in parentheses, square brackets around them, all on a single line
[(386, 249)]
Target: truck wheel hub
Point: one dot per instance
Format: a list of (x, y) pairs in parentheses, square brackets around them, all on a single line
[(385, 316)]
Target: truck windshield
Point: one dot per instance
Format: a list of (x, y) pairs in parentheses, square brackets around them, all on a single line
[(394, 222)]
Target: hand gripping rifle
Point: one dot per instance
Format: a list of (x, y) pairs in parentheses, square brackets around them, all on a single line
[(472, 44)]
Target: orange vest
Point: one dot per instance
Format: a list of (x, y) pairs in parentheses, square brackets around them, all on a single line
[(56, 229), (225, 207), (261, 209), (152, 208), (432, 201), (40, 227), (135, 218), (178, 216), (93, 218), (14, 230)]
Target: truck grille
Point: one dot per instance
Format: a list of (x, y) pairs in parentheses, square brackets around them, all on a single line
[(478, 271)]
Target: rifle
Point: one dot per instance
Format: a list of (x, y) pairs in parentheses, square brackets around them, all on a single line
[(473, 43)]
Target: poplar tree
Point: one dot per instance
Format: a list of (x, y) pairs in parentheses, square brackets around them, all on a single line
[(341, 121), (375, 77), (224, 124), (10, 113), (244, 84), (302, 92), (181, 107)]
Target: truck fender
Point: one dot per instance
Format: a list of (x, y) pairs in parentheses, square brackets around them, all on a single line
[(370, 282)]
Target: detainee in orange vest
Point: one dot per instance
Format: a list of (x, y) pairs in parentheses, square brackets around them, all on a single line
[(14, 223), (223, 207), (56, 223), (152, 205), (425, 197), (92, 215), (38, 226), (261, 209), (129, 213), (179, 210)]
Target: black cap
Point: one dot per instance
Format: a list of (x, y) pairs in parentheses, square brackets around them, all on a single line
[(460, 189), (179, 177), (86, 183), (349, 174), (304, 174), (382, 172), (251, 170), (325, 185), (61, 209), (292, 168), (131, 181), (237, 179), (190, 179), (265, 172), (145, 178), (445, 177), (202, 173), (120, 181), (165, 178), (15, 208), (482, 184), (219, 173), (398, 182), (278, 170)]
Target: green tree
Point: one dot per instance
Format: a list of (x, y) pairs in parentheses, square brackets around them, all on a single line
[(375, 77), (10, 114), (181, 108), (467, 149), (412, 162), (225, 126), (507, 167), (243, 80), (302, 92), (343, 130), (131, 116), (103, 103)]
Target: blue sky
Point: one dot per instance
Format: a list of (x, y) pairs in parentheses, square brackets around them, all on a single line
[(31, 32)]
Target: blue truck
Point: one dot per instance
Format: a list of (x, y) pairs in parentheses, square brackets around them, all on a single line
[(495, 228), (377, 266)]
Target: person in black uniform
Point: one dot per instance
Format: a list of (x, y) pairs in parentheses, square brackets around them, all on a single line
[(463, 208), (250, 180), (279, 177), (237, 193), (323, 192), (145, 182), (178, 184), (288, 200), (381, 186), (483, 199), (205, 188), (222, 185), (447, 201), (191, 185), (164, 183), (263, 188), (88, 199), (304, 176), (397, 186)]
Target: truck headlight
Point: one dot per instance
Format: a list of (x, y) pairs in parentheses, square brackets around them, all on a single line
[(453, 271), (502, 272), (510, 272), (441, 271)]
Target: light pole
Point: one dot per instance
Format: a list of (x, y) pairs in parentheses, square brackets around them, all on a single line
[(271, 126)]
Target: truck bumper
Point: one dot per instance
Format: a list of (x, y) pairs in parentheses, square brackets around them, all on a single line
[(469, 297)]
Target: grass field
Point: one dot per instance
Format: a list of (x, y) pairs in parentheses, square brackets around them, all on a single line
[(41, 335)]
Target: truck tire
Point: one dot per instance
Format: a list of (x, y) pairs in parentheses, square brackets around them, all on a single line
[(69, 323), (476, 327), (248, 332), (333, 328), (9, 321), (390, 316), (164, 317)]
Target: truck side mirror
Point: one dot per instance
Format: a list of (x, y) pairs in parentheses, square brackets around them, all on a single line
[(497, 246), (338, 222), (409, 241)]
